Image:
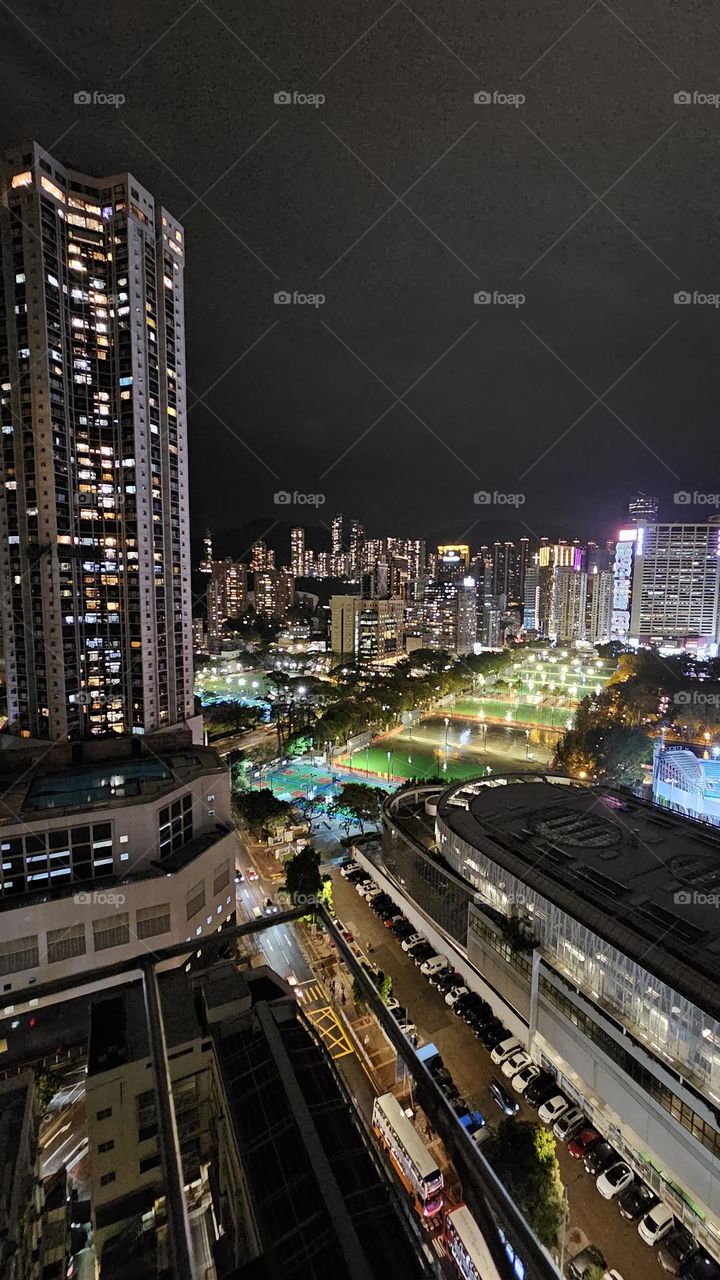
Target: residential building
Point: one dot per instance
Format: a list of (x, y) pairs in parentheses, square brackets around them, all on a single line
[(227, 597), (274, 592), (21, 1198), (207, 559), (370, 629), (265, 1124), (568, 604), (297, 553), (599, 605), (356, 558), (336, 536), (94, 527), (450, 614), (109, 849)]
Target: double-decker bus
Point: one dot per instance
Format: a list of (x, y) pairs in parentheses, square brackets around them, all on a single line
[(467, 1247), (411, 1159)]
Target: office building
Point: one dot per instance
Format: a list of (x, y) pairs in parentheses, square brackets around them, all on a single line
[(643, 509), (94, 530), (616, 991), (297, 553), (453, 559), (110, 849), (371, 630), (675, 584), (265, 1125)]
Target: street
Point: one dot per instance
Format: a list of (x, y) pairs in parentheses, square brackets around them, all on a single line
[(591, 1218)]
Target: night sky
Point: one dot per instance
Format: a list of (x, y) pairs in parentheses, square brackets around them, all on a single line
[(398, 199)]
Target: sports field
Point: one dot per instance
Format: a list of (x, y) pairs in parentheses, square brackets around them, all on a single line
[(462, 749)]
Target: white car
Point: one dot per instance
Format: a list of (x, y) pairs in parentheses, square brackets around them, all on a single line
[(452, 997), (656, 1224), (515, 1063), (522, 1079), (505, 1049), (348, 870), (435, 964), (365, 886), (372, 894), (407, 943), (570, 1123), (551, 1110), (614, 1180)]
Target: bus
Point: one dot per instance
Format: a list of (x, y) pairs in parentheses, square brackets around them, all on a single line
[(411, 1159), (467, 1247)]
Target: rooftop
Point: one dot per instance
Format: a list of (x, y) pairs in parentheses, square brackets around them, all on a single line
[(642, 878), (100, 774)]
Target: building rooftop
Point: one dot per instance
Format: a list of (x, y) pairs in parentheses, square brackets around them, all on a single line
[(101, 774), (642, 878)]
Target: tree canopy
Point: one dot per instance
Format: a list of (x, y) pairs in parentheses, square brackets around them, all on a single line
[(524, 1156), (261, 812)]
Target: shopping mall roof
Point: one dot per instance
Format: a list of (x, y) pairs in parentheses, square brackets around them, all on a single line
[(641, 877)]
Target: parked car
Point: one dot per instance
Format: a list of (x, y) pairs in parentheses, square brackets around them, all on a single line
[(515, 1063), (364, 887), (569, 1123), (399, 1012), (656, 1224), (582, 1142), (614, 1179), (402, 928), (392, 917), (552, 1109), (391, 1003), (636, 1201), (408, 1028), (598, 1159), (357, 873), (492, 1033), (374, 896), (454, 995), (436, 964), (477, 1012), (251, 873), (410, 941), (423, 951), (507, 1104), (348, 868), (524, 1077), (678, 1247), (449, 1089), (701, 1267), (446, 981), (588, 1258), (505, 1049), (539, 1089)]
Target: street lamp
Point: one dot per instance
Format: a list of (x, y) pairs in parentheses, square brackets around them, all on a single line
[(389, 758)]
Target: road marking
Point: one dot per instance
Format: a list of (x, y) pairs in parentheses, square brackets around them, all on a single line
[(326, 1022)]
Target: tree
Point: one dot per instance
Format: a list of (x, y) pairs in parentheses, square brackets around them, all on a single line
[(45, 1089), (524, 1156), (363, 802), (261, 812), (303, 882)]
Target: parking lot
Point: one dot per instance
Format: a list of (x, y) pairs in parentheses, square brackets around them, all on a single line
[(591, 1218)]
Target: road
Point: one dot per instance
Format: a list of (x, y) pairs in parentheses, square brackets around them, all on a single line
[(279, 945), (591, 1217), (246, 741)]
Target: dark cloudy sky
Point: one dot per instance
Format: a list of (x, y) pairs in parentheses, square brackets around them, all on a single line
[(398, 199)]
